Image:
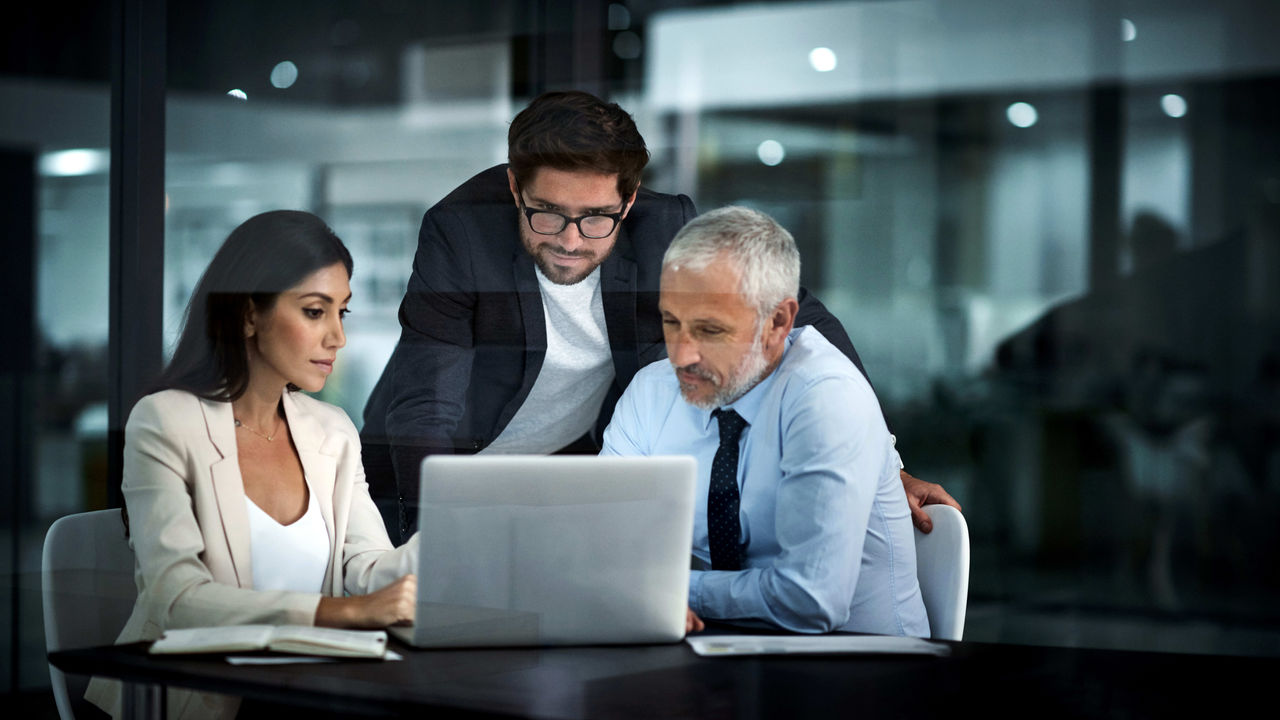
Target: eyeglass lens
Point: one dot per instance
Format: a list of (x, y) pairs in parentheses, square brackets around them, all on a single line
[(592, 226)]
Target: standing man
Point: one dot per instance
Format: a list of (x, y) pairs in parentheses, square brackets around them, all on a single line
[(800, 519), (533, 302)]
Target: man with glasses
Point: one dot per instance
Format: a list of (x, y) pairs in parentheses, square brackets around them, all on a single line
[(520, 330)]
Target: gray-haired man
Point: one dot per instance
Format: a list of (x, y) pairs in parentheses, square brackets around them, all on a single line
[(801, 515)]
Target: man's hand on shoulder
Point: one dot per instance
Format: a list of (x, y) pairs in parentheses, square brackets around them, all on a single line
[(921, 493)]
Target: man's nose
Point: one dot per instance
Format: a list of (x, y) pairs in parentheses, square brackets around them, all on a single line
[(570, 238), (682, 350)]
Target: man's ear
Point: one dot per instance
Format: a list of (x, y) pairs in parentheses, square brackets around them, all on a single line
[(779, 323), (515, 190), (630, 203)]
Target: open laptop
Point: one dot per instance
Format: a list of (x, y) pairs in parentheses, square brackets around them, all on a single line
[(563, 550)]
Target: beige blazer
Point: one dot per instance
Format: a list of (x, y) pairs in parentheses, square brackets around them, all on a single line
[(189, 526)]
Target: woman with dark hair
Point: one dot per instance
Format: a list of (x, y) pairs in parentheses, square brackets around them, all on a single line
[(246, 500)]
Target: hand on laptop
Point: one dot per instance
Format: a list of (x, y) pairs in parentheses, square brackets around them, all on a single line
[(392, 605), (692, 623)]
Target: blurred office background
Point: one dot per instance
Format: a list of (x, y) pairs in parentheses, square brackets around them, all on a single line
[(1051, 228)]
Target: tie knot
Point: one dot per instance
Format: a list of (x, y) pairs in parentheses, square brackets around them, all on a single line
[(731, 425)]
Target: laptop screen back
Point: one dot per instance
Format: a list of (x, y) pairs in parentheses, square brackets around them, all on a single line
[(530, 550)]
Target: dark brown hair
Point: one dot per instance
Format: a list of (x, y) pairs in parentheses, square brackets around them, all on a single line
[(576, 131), (266, 255)]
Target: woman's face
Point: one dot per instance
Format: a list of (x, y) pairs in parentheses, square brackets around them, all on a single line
[(296, 340)]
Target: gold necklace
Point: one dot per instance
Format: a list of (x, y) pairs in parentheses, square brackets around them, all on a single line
[(264, 436)]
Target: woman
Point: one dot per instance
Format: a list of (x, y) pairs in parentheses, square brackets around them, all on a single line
[(246, 500)]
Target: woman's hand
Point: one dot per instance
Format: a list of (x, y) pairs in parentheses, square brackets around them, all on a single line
[(392, 605)]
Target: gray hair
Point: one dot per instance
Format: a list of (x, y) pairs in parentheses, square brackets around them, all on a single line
[(762, 250)]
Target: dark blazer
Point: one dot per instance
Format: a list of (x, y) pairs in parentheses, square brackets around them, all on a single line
[(474, 337)]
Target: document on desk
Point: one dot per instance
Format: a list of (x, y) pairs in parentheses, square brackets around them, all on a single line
[(294, 659), (727, 645), (293, 639)]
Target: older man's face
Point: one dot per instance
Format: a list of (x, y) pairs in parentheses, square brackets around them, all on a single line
[(713, 336)]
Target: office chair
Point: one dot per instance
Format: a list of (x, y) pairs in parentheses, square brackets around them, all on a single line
[(942, 565), (87, 581)]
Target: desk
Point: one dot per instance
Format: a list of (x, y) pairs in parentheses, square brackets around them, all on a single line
[(671, 681)]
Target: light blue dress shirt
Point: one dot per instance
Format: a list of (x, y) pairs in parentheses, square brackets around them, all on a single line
[(828, 538)]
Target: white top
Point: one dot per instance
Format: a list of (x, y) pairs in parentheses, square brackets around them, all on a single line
[(576, 374), (288, 557)]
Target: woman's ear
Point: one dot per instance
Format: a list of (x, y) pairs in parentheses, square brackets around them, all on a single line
[(250, 320)]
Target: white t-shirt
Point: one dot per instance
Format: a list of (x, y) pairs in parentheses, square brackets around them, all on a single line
[(288, 557), (576, 374)]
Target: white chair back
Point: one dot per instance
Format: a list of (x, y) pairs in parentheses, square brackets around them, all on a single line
[(942, 565), (89, 591)]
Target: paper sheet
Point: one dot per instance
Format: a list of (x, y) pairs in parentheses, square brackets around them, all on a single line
[(295, 659), (726, 645)]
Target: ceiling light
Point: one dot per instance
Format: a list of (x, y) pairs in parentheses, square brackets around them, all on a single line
[(771, 152), (1022, 114), (822, 59)]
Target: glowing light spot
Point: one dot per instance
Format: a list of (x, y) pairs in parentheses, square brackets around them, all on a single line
[(1128, 31), (284, 74), (71, 163), (771, 152), (1175, 106), (237, 93), (1022, 114), (822, 59)]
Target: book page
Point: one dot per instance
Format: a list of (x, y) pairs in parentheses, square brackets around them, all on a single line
[(332, 642), (298, 639), (234, 638)]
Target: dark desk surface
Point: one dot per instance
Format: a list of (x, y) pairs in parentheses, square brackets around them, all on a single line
[(671, 681)]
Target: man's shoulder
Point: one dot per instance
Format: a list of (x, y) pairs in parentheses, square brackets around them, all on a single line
[(476, 222), (656, 216), (483, 201), (485, 187), (814, 373), (812, 358)]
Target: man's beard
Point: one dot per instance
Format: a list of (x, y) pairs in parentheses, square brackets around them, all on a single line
[(555, 273), (560, 275), (750, 370)]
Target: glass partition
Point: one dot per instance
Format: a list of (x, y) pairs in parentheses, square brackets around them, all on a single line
[(1049, 228), (1045, 225), (54, 163)]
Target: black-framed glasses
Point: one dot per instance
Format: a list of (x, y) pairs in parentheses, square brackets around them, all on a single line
[(592, 225)]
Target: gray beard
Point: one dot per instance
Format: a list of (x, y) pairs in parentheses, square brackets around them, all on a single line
[(749, 372)]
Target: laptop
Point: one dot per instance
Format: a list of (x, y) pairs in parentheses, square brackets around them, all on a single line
[(561, 550)]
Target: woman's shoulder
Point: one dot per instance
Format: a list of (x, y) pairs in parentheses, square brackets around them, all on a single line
[(330, 416), (175, 420), (165, 406)]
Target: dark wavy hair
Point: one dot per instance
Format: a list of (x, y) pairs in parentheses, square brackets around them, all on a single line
[(576, 131), (266, 255)]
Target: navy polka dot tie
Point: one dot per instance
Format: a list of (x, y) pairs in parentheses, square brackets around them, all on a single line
[(723, 530)]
